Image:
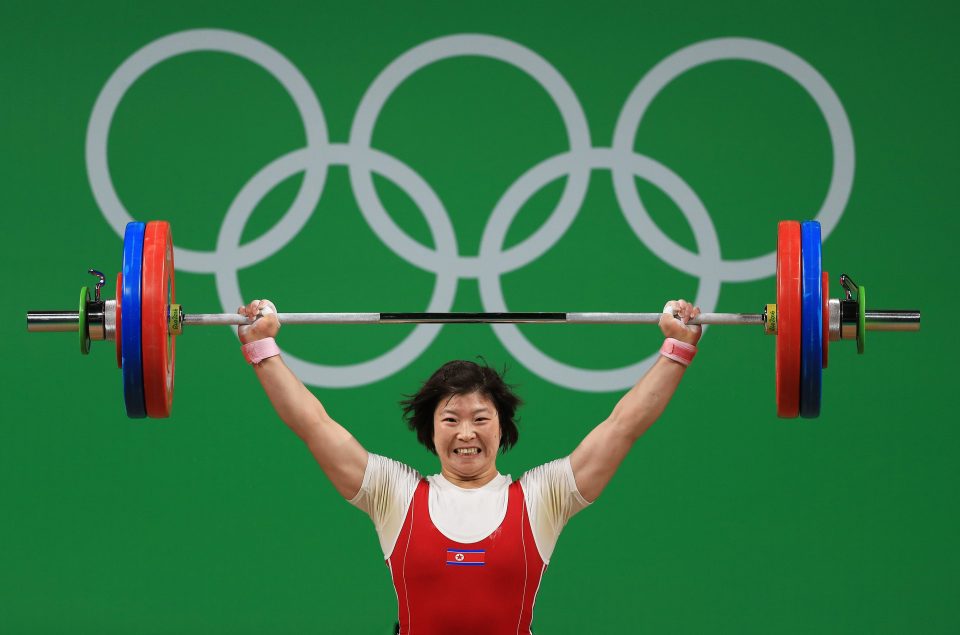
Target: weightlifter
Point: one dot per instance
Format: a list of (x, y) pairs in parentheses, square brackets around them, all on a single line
[(468, 528)]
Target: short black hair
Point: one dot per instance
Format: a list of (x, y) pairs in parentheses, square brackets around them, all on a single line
[(460, 377)]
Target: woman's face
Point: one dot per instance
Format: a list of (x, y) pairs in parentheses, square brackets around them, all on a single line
[(466, 434)]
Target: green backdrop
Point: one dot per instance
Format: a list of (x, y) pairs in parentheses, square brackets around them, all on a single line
[(723, 519)]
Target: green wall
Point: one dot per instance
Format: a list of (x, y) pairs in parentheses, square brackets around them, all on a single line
[(723, 519)]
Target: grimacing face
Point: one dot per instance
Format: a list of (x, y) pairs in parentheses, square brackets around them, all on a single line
[(466, 434)]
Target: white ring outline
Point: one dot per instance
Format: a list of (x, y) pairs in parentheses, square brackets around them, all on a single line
[(448, 47), (221, 41), (412, 346), (576, 164), (841, 138), (491, 292)]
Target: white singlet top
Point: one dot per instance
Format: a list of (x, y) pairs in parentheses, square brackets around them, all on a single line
[(469, 515)]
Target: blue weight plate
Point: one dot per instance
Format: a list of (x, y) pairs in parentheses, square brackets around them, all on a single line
[(811, 321), (130, 349)]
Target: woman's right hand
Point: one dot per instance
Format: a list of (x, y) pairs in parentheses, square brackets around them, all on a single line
[(265, 324)]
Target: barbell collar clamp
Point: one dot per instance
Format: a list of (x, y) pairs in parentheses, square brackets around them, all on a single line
[(175, 319), (110, 320), (834, 325), (770, 319), (96, 320), (101, 280)]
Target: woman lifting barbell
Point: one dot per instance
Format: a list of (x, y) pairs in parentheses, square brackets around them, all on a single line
[(468, 527)]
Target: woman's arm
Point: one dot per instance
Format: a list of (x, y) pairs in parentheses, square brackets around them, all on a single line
[(598, 456), (340, 455)]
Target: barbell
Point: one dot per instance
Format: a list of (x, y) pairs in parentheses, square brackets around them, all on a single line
[(143, 320)]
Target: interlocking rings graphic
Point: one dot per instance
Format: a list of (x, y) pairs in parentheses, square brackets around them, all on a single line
[(576, 164)]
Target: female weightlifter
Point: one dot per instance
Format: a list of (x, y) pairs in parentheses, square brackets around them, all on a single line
[(468, 528)]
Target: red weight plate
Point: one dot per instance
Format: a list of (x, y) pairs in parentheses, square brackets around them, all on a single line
[(117, 334), (158, 343), (826, 316), (789, 296)]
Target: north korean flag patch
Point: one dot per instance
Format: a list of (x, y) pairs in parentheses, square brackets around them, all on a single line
[(466, 557)]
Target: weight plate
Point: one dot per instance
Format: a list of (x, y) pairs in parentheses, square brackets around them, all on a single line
[(811, 322), (158, 294), (789, 291), (84, 328), (826, 315), (119, 334), (131, 354), (861, 319)]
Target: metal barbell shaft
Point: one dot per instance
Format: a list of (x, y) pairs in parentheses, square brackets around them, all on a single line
[(472, 318), (883, 320), (877, 320), (53, 321)]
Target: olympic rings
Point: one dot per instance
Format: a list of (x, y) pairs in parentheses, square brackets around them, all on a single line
[(575, 165)]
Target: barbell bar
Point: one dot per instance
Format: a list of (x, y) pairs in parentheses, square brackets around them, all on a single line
[(143, 320), (67, 321)]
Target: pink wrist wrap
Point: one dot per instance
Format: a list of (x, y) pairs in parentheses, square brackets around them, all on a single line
[(256, 352), (678, 351)]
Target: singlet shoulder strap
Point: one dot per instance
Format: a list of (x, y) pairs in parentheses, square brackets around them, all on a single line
[(422, 494)]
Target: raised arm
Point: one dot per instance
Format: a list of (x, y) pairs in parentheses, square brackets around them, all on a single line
[(340, 455), (598, 456)]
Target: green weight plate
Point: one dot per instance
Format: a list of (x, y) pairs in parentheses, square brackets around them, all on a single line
[(861, 318), (83, 327)]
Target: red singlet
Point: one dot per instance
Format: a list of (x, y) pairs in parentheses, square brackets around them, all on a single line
[(481, 588)]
